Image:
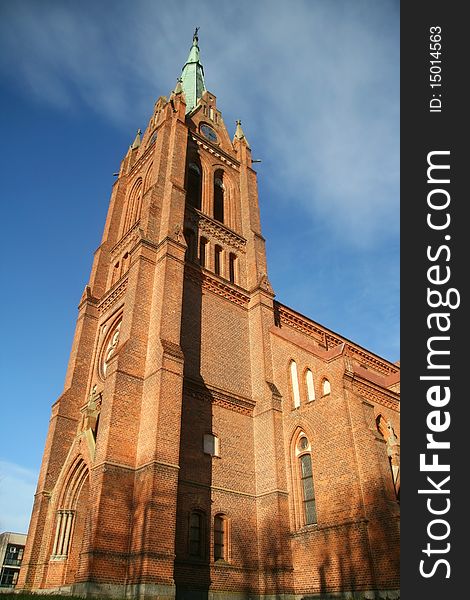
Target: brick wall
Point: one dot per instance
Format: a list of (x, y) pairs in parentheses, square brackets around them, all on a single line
[(199, 355)]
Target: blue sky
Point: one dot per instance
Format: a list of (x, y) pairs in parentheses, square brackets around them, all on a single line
[(316, 85)]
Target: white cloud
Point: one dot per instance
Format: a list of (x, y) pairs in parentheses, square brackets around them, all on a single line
[(316, 84), (17, 489)]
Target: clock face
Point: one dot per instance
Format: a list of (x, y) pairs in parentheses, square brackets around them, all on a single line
[(208, 133)]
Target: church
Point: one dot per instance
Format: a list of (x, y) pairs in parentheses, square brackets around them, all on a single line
[(210, 441)]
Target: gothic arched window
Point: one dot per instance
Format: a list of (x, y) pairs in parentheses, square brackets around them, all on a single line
[(71, 506), (194, 190), (219, 191), (326, 387), (125, 263), (310, 385), (295, 383), (109, 347), (218, 259), (116, 273), (196, 534), (202, 251), (232, 258), (221, 537), (303, 458)]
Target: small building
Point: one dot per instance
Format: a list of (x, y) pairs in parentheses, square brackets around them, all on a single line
[(11, 554)]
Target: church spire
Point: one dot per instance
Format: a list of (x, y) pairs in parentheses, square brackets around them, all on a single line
[(192, 76)]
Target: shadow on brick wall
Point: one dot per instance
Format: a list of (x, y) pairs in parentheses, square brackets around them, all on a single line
[(193, 526), (344, 559), (352, 557)]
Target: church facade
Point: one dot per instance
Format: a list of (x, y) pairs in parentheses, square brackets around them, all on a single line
[(210, 442)]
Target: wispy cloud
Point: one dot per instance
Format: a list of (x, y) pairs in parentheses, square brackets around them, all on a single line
[(17, 488), (316, 83)]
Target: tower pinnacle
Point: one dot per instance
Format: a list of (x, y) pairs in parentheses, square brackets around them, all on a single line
[(239, 133), (192, 76), (136, 143)]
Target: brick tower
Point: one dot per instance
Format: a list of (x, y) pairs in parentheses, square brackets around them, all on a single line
[(210, 441)]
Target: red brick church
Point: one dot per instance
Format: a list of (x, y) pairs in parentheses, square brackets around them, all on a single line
[(210, 442)]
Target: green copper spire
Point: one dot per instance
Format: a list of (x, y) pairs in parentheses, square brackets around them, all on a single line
[(192, 76)]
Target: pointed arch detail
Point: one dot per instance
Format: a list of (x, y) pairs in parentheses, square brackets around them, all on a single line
[(68, 498), (294, 383), (309, 384), (134, 206), (305, 510)]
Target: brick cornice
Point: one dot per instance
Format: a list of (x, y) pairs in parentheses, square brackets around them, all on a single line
[(214, 285), (230, 401), (127, 241), (331, 341), (372, 391), (113, 295)]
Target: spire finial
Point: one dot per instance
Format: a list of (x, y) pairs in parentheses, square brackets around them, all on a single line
[(136, 142), (179, 87), (239, 133), (195, 37)]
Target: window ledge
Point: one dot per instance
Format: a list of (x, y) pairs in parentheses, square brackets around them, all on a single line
[(58, 557)]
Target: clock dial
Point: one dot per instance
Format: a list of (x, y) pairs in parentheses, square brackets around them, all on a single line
[(208, 133)]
